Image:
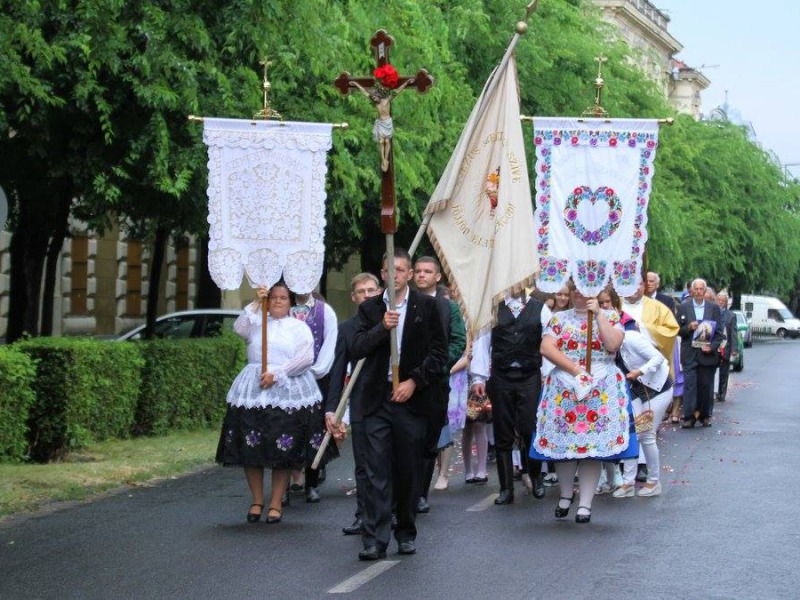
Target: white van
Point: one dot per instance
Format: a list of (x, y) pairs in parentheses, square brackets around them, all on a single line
[(769, 315)]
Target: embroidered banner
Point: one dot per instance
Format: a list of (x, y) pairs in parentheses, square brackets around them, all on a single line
[(592, 188), (481, 213), (266, 202)]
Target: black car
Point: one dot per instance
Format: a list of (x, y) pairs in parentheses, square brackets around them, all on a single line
[(203, 322)]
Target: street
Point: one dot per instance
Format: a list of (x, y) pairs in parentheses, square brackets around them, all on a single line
[(725, 527)]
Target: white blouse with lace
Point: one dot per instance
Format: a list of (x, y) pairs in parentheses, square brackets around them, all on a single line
[(290, 354)]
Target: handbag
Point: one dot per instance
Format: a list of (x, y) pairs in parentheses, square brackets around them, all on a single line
[(479, 408), (643, 422)]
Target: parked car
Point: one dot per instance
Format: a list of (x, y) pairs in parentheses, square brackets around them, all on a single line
[(203, 322), (769, 315), (744, 328), (737, 353)]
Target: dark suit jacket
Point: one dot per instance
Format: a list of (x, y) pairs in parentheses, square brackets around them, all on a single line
[(728, 321), (690, 356), (667, 300), (423, 353), (344, 345)]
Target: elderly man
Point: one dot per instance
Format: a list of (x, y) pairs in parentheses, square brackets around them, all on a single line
[(651, 287), (728, 320), (698, 359)]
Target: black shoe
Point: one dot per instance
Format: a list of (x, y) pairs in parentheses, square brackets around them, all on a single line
[(505, 497), (394, 521), (322, 475), (273, 519), (408, 547), (706, 422), (491, 455), (688, 423), (253, 517), (583, 518), (480, 480), (721, 399), (641, 473), (422, 505), (285, 499), (563, 512), (312, 495), (371, 553), (538, 486), (296, 488), (357, 528)]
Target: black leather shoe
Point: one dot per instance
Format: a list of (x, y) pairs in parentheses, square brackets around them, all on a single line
[(371, 553), (423, 506), (505, 497), (563, 512), (583, 518), (357, 528), (312, 495), (255, 517), (538, 486), (407, 547), (687, 424), (706, 422), (296, 488)]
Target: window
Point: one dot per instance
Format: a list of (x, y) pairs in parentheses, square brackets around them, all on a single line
[(133, 294), (79, 275)]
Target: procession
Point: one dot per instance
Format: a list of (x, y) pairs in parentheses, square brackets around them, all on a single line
[(393, 300)]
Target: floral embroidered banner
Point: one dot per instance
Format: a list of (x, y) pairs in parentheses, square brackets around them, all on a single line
[(593, 179), (266, 201)]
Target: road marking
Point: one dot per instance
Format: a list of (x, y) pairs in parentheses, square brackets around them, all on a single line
[(483, 504), (365, 576)]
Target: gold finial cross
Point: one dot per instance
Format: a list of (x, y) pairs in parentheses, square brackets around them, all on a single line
[(267, 111), (597, 110)]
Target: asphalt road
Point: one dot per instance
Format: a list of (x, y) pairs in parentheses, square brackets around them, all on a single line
[(725, 527)]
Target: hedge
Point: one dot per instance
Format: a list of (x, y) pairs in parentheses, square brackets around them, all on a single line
[(17, 374), (184, 382), (86, 390)]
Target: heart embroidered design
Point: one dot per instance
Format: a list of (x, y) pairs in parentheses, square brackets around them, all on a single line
[(592, 237)]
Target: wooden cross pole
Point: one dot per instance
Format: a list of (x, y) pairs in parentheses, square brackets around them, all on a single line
[(381, 91)]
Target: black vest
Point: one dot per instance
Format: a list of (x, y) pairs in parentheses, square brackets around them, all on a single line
[(516, 341)]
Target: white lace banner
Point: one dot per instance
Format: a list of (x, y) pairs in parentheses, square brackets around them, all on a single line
[(266, 201), (593, 180)]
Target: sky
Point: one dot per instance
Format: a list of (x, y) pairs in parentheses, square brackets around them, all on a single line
[(756, 46)]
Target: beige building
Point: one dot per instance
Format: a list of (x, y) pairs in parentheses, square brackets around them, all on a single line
[(645, 28)]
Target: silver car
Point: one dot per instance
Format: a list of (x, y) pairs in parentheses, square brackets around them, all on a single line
[(201, 322), (744, 328)]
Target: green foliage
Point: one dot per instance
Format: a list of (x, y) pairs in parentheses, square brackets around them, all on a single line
[(86, 390), (17, 373), (184, 382)]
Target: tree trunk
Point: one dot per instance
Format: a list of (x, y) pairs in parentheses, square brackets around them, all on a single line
[(59, 234), (156, 265), (28, 248), (208, 294)]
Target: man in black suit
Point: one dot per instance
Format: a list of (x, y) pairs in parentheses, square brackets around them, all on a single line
[(698, 359), (362, 286), (728, 320), (651, 285), (395, 421)]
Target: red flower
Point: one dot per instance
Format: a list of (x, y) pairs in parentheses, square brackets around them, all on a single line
[(560, 342), (574, 140), (591, 416), (609, 192), (566, 395), (595, 393), (619, 376), (572, 345), (581, 449), (570, 417), (620, 439), (387, 75), (612, 142), (543, 442), (596, 345)]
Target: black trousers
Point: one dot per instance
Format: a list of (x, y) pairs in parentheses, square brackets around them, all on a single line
[(394, 441), (359, 458), (724, 373), (437, 418), (514, 404), (698, 391)]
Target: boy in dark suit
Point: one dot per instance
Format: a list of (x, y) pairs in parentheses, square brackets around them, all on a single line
[(395, 421)]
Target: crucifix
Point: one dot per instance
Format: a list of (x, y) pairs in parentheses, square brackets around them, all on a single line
[(381, 89)]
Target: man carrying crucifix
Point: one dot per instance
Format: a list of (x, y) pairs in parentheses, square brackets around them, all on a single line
[(381, 96)]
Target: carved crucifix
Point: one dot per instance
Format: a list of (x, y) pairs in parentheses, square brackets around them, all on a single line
[(382, 96), (381, 89)]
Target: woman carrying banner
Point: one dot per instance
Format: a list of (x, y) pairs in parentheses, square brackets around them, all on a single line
[(582, 418), (270, 414)]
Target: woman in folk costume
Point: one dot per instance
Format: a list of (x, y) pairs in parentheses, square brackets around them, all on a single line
[(647, 372), (268, 423), (582, 418)]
